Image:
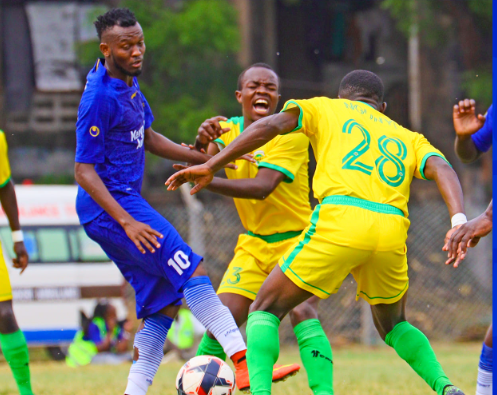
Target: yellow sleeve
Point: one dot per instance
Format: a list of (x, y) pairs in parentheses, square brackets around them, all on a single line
[(287, 155), (309, 114), (4, 161), (423, 150)]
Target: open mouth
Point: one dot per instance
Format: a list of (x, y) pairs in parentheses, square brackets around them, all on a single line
[(137, 64), (261, 106)]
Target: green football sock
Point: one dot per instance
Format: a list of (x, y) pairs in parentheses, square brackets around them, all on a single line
[(210, 346), (316, 355), (263, 348), (15, 351), (414, 348)]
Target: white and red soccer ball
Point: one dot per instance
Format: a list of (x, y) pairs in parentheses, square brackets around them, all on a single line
[(205, 375)]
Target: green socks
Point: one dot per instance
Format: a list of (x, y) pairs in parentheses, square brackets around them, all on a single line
[(15, 351), (414, 348), (316, 355), (210, 346), (263, 348)]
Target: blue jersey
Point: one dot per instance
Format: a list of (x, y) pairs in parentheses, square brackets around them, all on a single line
[(112, 118), (483, 137)]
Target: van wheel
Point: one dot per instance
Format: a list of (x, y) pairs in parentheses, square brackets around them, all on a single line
[(56, 353)]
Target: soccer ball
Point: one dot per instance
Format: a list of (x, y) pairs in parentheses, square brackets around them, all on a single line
[(205, 375)]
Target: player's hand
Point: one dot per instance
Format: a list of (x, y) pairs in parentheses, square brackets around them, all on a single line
[(465, 120), (201, 175), (141, 233), (22, 259), (210, 130), (464, 236)]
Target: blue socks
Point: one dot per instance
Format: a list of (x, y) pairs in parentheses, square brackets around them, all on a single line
[(208, 309), (149, 350), (484, 380)]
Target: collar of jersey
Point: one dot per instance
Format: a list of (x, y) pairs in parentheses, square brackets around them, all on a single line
[(100, 70), (363, 102)]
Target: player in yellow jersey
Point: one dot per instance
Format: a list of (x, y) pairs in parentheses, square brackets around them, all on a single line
[(272, 199), (12, 341), (365, 165)]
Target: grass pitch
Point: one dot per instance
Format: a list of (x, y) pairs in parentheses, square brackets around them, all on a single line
[(358, 371)]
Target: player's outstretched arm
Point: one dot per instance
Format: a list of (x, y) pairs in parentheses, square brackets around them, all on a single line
[(255, 136), (466, 123), (138, 232), (9, 205), (161, 146), (259, 187), (448, 184), (468, 235)]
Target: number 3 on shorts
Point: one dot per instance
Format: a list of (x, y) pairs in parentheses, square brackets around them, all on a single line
[(179, 261)]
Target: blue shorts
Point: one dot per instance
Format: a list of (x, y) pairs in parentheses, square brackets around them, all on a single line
[(157, 278)]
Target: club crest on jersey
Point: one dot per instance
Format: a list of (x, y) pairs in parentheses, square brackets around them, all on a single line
[(259, 155), (94, 131), (138, 136)]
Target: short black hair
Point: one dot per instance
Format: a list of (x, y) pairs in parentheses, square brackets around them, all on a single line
[(364, 83), (116, 16), (262, 65), (101, 309)]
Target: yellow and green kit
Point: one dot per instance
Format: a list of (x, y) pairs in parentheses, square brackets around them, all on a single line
[(365, 165), (273, 224)]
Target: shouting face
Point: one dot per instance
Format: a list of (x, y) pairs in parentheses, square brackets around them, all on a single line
[(123, 48), (259, 94)]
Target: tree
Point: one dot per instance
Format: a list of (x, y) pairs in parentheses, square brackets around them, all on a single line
[(469, 20)]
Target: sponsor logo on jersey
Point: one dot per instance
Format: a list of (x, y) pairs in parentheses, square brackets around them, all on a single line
[(138, 136), (94, 131)]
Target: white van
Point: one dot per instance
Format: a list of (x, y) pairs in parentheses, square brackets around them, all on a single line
[(67, 272)]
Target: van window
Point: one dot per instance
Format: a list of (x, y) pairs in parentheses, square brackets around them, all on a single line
[(55, 244)]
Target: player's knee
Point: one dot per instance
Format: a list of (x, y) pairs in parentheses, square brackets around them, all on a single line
[(7, 318), (268, 305), (304, 311), (199, 271)]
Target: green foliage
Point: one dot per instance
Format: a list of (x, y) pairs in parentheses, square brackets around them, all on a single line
[(423, 13), (478, 86), (190, 67)]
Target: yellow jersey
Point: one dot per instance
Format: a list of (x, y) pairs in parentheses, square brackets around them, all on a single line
[(4, 161), (360, 152), (287, 208)]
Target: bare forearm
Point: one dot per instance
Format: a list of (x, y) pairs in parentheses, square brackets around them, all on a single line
[(448, 183), (159, 145), (9, 205), (255, 136), (466, 150), (90, 181), (247, 188)]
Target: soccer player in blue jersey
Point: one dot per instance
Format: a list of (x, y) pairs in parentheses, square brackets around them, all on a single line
[(113, 130), (474, 137)]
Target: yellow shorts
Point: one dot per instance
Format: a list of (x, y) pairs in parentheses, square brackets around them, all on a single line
[(343, 239), (5, 287), (253, 261)]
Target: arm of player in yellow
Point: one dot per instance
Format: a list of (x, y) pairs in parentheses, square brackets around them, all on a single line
[(468, 235), (255, 136)]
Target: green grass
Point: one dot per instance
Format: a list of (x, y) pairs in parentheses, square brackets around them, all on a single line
[(358, 371)]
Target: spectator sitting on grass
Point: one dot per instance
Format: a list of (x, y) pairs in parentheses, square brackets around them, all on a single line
[(102, 339)]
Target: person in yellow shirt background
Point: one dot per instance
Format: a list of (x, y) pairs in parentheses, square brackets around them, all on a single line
[(272, 200), (365, 165), (12, 340)]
